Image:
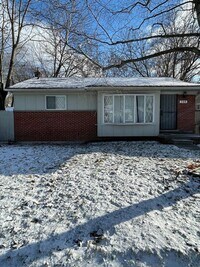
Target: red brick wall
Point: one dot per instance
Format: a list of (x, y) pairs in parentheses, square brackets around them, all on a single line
[(55, 126), (186, 113)]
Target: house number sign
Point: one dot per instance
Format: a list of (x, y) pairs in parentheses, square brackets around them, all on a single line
[(183, 101)]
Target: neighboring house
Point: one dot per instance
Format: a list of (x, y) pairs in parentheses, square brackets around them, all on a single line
[(64, 109)]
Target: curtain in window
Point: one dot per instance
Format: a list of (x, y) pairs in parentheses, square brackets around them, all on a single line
[(129, 109), (108, 109), (149, 109), (139, 109), (60, 102), (118, 109)]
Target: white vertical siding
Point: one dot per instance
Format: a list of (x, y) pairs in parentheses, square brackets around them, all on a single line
[(29, 102), (36, 102)]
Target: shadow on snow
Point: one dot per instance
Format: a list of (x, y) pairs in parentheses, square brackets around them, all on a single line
[(107, 222)]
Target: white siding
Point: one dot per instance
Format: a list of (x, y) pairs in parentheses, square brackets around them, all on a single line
[(33, 102), (29, 102), (87, 101)]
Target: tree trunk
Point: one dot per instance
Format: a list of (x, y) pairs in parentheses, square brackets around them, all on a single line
[(10, 70), (197, 9), (2, 92), (2, 96)]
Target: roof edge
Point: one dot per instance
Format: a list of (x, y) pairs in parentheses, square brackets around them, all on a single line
[(103, 88)]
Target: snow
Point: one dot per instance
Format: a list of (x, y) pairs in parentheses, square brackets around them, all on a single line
[(98, 204), (83, 83)]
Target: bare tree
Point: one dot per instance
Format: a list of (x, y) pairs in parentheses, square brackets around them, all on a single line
[(13, 20), (142, 18), (56, 58), (80, 31), (59, 53), (183, 65), (17, 12), (4, 33)]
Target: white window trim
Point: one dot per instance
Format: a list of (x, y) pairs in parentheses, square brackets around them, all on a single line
[(55, 108), (129, 123)]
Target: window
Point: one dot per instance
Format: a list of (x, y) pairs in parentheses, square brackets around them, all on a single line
[(56, 102), (128, 109), (198, 106)]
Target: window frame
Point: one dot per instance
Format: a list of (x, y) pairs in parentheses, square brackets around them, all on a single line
[(124, 109), (64, 96)]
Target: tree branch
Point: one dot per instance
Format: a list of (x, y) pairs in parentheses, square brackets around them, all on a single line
[(177, 49), (173, 35)]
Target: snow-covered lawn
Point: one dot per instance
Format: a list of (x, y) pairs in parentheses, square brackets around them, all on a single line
[(99, 204)]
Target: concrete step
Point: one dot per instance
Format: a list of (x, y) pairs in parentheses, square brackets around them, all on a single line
[(185, 143), (182, 142), (189, 147)]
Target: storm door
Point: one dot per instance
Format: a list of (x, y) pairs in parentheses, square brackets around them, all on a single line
[(168, 112)]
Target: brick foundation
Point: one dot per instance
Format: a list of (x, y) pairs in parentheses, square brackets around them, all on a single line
[(55, 126), (186, 113)]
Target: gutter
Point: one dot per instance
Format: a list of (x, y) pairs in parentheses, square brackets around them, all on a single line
[(110, 88), (27, 90)]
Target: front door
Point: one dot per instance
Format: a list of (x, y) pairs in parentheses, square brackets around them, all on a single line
[(168, 112)]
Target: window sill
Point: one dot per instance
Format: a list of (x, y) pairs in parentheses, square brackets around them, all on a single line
[(56, 109), (129, 124)]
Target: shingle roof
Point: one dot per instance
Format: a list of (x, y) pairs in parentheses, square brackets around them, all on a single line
[(83, 83)]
